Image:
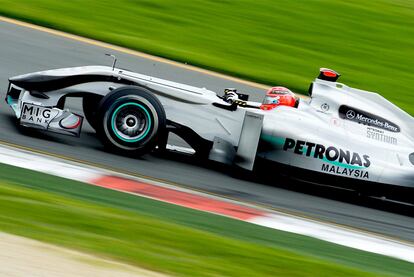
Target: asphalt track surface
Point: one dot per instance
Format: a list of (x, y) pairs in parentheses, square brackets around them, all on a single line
[(24, 50)]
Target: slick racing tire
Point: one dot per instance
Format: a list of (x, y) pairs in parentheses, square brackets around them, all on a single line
[(90, 105), (131, 121)]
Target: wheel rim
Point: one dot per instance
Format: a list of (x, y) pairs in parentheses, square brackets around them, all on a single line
[(131, 122)]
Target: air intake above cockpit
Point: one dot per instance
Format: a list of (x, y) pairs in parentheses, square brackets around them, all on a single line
[(328, 75)]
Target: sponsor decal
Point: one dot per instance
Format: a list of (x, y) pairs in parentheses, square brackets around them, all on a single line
[(325, 107), (336, 160), (362, 117), (36, 114), (379, 135), (356, 173), (350, 114)]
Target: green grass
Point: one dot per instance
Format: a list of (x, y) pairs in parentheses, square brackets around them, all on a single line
[(271, 41), (168, 238)]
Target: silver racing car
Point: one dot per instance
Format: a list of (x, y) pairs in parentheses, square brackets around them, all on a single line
[(340, 135)]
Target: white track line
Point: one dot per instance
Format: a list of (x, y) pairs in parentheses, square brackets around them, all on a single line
[(324, 231), (338, 235)]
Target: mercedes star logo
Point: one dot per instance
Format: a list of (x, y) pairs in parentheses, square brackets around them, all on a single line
[(350, 114), (325, 107)]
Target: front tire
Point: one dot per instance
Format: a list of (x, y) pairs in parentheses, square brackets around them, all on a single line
[(131, 121)]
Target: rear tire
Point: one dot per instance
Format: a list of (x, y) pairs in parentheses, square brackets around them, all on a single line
[(131, 121)]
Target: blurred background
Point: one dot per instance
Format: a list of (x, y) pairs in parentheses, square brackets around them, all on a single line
[(274, 42)]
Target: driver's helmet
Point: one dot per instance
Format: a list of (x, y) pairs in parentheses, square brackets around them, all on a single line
[(278, 96)]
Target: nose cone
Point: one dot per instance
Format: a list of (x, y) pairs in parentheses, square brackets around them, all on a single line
[(412, 158), (33, 81)]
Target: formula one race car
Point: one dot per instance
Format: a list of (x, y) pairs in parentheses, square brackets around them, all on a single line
[(340, 135)]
